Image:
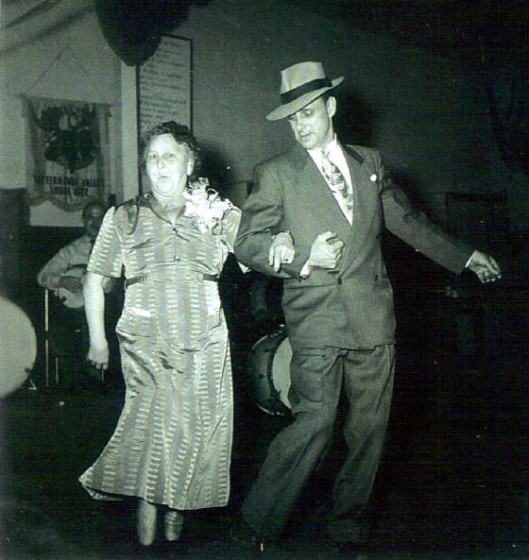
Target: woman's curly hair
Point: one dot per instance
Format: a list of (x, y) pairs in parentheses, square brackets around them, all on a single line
[(181, 134)]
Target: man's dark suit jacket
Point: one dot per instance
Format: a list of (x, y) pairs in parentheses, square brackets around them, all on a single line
[(351, 306)]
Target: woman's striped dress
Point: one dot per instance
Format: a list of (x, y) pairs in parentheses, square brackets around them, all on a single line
[(172, 444)]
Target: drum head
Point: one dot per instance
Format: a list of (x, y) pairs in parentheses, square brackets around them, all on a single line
[(269, 373), (18, 347), (281, 371)]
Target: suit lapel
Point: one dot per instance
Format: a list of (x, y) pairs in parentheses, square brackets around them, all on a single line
[(365, 204), (314, 193), (316, 199)]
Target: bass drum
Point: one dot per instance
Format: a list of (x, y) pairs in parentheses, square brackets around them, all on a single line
[(269, 367), (18, 347)]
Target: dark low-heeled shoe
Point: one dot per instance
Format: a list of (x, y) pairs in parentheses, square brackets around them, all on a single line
[(243, 535)]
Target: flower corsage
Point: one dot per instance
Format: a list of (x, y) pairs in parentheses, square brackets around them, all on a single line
[(205, 205)]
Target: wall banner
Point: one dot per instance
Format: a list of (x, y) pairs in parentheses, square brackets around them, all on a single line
[(67, 152)]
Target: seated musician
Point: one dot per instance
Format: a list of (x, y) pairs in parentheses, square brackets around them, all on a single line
[(64, 275)]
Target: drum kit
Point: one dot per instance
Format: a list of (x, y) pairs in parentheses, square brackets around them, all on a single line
[(269, 373), (268, 360), (18, 347)]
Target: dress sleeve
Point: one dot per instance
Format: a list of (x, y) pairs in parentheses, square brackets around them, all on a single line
[(230, 226), (106, 258)]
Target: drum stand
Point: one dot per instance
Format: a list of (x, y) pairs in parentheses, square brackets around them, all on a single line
[(47, 342), (30, 385)]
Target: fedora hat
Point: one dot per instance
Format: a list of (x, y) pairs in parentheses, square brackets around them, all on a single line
[(301, 84)]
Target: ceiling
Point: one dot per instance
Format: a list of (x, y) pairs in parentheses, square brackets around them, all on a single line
[(462, 29), (13, 10)]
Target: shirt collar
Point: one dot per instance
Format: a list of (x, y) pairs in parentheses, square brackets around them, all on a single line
[(332, 147)]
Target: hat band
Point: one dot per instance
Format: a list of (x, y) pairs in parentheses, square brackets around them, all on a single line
[(313, 85)]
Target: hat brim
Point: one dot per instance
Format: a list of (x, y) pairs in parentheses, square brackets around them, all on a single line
[(284, 111)]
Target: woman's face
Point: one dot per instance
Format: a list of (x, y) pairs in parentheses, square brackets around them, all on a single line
[(168, 165)]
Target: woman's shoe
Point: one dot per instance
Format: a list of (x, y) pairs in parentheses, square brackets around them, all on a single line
[(174, 522), (146, 522)]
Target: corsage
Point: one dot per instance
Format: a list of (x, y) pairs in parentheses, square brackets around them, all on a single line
[(205, 205)]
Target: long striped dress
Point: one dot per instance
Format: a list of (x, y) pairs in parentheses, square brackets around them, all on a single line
[(172, 443)]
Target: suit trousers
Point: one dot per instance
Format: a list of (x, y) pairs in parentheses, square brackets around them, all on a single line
[(317, 378)]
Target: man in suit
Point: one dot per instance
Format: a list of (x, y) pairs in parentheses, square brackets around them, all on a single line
[(315, 218)]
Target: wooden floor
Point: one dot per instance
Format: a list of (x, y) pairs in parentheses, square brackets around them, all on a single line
[(453, 483)]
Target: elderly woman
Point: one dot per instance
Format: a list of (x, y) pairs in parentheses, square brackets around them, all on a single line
[(171, 448)]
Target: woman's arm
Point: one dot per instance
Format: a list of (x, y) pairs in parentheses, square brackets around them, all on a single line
[(94, 297)]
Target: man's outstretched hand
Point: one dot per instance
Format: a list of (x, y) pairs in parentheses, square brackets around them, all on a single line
[(484, 267)]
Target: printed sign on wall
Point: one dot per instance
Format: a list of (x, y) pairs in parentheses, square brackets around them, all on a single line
[(164, 85)]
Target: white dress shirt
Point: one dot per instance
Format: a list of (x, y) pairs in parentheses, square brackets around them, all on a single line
[(336, 155)]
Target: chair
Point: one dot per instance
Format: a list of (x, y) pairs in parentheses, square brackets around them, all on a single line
[(47, 353), (52, 350)]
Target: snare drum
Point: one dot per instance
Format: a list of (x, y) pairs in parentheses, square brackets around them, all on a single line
[(18, 347), (269, 373)]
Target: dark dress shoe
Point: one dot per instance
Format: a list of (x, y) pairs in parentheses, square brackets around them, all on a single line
[(243, 535), (348, 531)]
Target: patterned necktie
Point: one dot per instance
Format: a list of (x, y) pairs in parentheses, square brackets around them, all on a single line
[(337, 184)]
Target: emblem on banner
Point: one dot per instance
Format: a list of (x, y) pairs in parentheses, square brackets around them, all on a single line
[(67, 153)]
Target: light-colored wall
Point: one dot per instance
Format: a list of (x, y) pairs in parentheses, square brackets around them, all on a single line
[(425, 113), (72, 63)]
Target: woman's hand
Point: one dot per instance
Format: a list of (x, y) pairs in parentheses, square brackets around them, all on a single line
[(281, 251), (94, 298), (98, 355)]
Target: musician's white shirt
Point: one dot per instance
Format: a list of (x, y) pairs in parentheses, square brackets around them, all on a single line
[(73, 256)]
